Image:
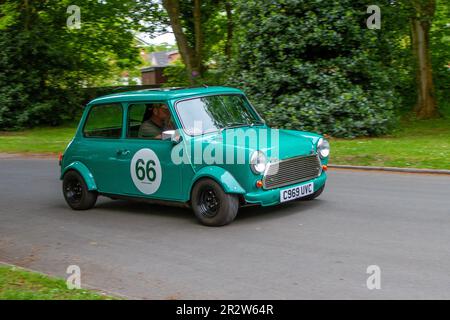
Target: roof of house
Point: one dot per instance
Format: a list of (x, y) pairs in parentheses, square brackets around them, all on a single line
[(152, 68), (164, 94)]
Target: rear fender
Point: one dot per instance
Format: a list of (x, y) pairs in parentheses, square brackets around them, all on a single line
[(83, 171)]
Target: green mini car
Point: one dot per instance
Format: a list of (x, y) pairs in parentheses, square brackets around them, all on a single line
[(206, 148)]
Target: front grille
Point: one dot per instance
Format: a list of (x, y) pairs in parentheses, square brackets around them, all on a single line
[(291, 171)]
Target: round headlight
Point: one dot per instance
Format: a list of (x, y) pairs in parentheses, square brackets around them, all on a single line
[(323, 148), (258, 162)]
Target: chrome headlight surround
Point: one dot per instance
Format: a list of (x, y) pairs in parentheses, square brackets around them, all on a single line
[(258, 162), (323, 148)]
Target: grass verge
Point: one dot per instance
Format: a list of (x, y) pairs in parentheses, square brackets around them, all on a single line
[(415, 144), (38, 140), (19, 284)]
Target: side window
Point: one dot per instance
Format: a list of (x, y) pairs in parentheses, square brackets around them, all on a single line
[(148, 120), (104, 121)]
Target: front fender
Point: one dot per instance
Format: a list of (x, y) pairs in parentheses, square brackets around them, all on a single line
[(84, 171), (221, 176)]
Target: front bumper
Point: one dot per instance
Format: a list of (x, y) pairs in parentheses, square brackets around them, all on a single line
[(272, 197)]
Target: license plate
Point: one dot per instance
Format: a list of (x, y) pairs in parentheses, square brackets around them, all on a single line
[(296, 192)]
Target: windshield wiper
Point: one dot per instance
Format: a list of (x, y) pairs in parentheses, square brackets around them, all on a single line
[(234, 125), (257, 123)]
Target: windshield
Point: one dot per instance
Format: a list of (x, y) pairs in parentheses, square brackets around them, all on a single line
[(212, 113)]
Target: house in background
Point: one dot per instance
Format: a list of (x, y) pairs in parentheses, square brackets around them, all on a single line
[(154, 74), (129, 77)]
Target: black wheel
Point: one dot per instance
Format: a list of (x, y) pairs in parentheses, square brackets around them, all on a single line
[(313, 196), (211, 205), (76, 193)]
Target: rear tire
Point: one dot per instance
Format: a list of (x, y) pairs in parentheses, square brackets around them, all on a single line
[(76, 192), (211, 205), (314, 195)]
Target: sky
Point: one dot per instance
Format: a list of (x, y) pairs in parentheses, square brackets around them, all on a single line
[(166, 37)]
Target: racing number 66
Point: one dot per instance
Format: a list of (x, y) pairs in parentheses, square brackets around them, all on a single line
[(145, 170)]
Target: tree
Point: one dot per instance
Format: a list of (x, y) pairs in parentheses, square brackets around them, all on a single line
[(439, 47), (421, 22), (44, 64), (191, 54), (200, 27), (313, 65), (230, 27)]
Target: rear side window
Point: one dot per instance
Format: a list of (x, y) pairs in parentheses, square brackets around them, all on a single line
[(104, 121)]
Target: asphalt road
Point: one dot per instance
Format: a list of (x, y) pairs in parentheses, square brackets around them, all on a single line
[(315, 250)]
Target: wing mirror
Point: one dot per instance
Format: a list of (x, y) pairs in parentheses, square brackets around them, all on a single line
[(172, 135)]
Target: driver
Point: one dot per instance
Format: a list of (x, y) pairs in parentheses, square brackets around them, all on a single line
[(157, 123)]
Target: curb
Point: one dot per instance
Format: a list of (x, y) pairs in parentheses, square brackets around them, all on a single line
[(390, 169), (25, 156)]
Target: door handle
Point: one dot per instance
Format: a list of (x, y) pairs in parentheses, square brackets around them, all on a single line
[(123, 152)]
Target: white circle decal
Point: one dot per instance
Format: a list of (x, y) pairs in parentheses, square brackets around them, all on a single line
[(146, 171)]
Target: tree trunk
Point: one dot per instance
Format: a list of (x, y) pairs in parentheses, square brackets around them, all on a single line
[(198, 36), (420, 32), (228, 44), (27, 14), (189, 55)]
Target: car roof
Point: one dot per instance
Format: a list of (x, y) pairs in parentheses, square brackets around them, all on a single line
[(163, 94)]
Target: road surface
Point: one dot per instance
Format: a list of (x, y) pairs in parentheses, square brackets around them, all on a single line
[(314, 250)]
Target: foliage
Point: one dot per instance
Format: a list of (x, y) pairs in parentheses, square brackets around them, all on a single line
[(202, 30), (313, 65), (176, 75), (212, 24), (440, 49), (44, 63), (307, 64), (164, 46)]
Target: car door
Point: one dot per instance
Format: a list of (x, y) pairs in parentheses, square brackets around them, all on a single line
[(102, 135), (145, 162)]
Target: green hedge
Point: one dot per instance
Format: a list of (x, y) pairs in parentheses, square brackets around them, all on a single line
[(313, 65)]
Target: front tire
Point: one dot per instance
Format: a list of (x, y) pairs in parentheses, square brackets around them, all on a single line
[(211, 205), (76, 192)]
